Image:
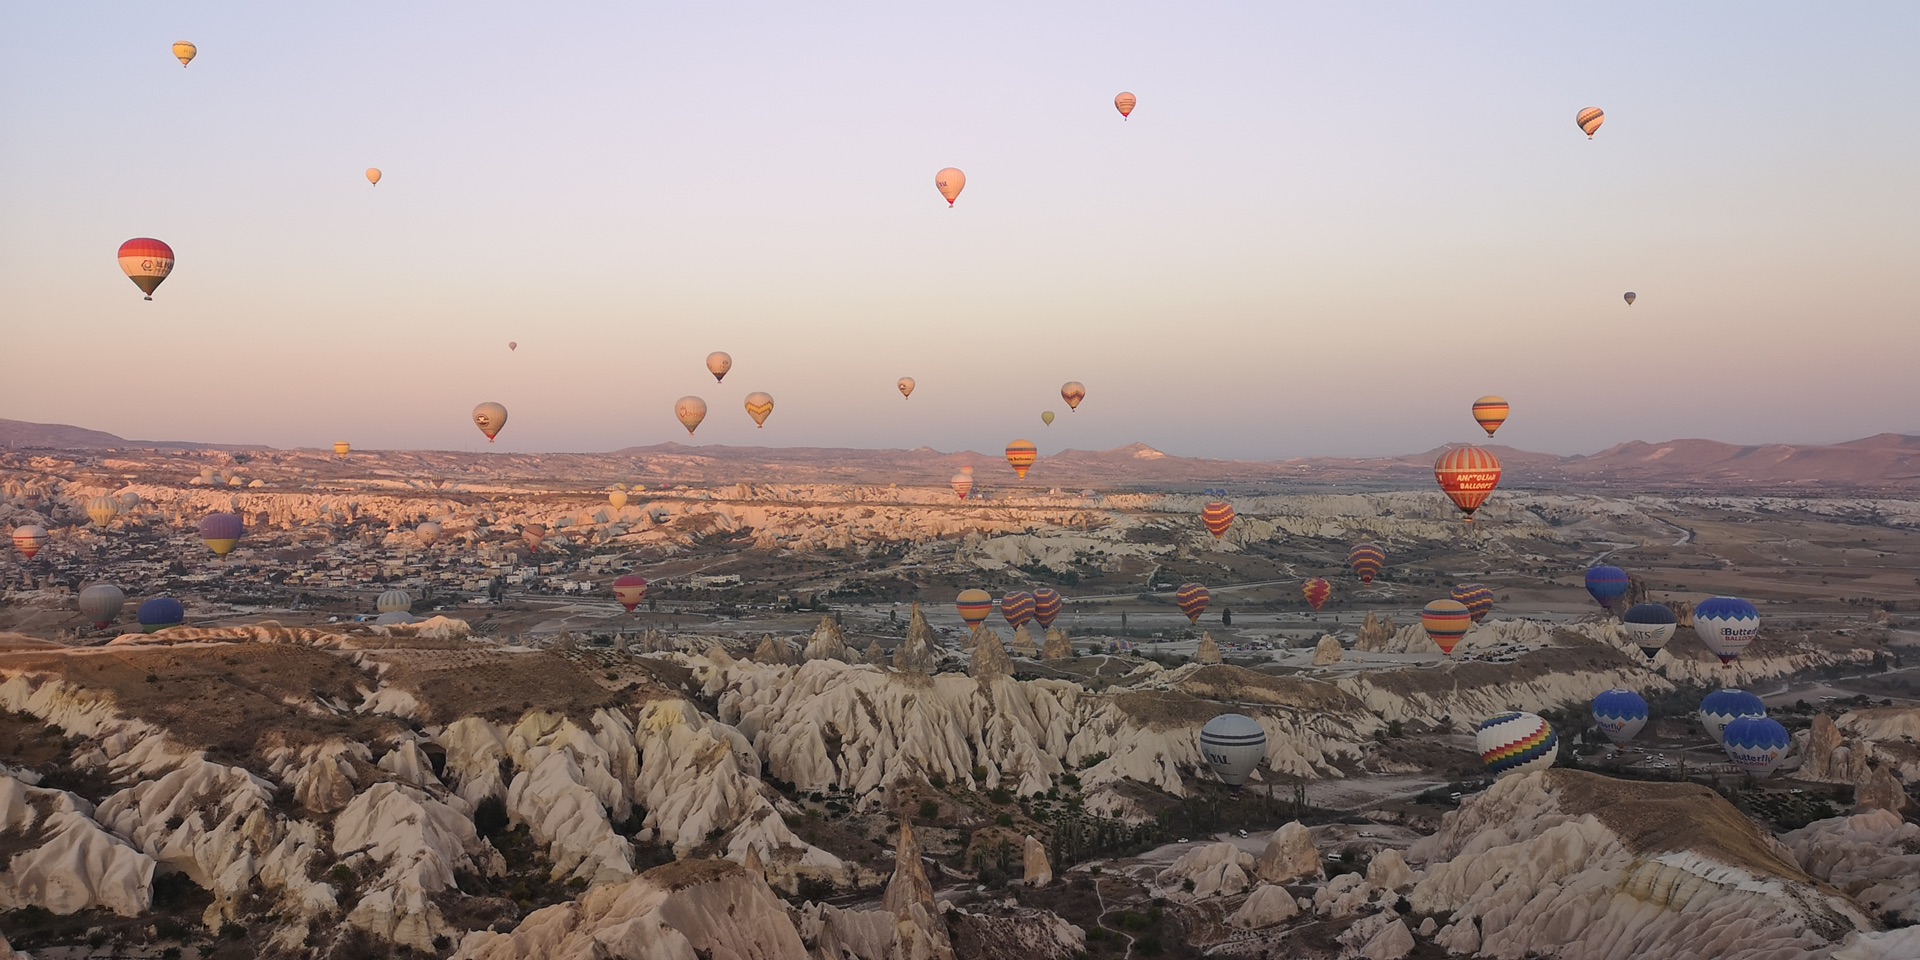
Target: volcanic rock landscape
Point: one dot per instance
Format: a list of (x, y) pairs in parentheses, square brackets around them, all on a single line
[(794, 746)]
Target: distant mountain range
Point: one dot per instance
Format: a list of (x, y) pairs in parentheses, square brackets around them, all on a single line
[(1888, 463)]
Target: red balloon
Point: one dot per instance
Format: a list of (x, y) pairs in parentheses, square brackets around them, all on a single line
[(1317, 591), (1467, 475), (1193, 599), (1218, 516)]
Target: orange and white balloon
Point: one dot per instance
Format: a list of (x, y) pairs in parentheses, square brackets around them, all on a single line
[(718, 363), (1125, 103), (759, 406), (690, 411), (950, 181)]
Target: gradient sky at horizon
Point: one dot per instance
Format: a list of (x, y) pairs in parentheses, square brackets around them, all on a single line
[(1326, 229)]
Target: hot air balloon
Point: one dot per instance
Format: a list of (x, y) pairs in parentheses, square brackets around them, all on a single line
[(1607, 584), (962, 484), (1124, 103), (534, 534), (373, 175), (490, 417), (1217, 516), (1649, 626), (1631, 297), (1446, 622), (100, 603), (1756, 744), (221, 532), (1046, 606), (1073, 391), (1021, 454), (1722, 707), (1233, 745), (950, 181), (690, 411), (1367, 560), (1193, 599), (618, 499), (1619, 714), (1516, 743), (428, 532), (759, 406), (1476, 597), (341, 448), (1317, 591), (1590, 120), (1490, 412), (160, 613), (394, 601), (718, 363), (184, 51), (102, 510), (1726, 625), (29, 539), (1468, 476), (146, 262), (906, 386), (974, 605), (512, 345), (630, 590), (1046, 417), (1017, 608)]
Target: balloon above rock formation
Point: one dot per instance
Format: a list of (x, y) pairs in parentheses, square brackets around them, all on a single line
[(1516, 743), (1233, 745)]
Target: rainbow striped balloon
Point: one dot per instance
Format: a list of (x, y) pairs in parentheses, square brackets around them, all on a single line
[(1317, 591), (1446, 622), (1477, 598), (1218, 516), (1367, 560), (1193, 599), (1516, 743), (1046, 606), (974, 606), (1017, 608)]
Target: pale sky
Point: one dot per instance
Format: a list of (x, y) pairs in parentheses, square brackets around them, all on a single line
[(1326, 229)]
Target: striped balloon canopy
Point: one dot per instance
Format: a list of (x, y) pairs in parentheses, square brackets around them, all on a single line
[(147, 262), (1649, 626), (1193, 599), (1367, 560), (1046, 606), (1516, 743), (630, 590), (1726, 625), (1073, 391), (1017, 608), (29, 539), (962, 484), (1233, 745), (1756, 744), (1590, 119), (221, 532), (974, 606), (1468, 476), (102, 510), (1316, 591), (1490, 412), (1020, 455), (1723, 707), (1477, 597), (1446, 621), (1218, 516), (1620, 714), (1608, 584)]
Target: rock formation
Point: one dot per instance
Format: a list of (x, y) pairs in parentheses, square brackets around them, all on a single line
[(990, 660), (1058, 646), (775, 650), (1374, 634), (1216, 869), (920, 930), (918, 653), (1208, 651), (1874, 856), (1023, 644), (1269, 904), (1038, 873), (1328, 651), (1879, 789), (1288, 856), (829, 643)]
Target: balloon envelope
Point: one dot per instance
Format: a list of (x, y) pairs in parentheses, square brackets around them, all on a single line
[(1607, 584), (1017, 608), (512, 345), (759, 406), (630, 590), (1468, 476), (1649, 626), (1367, 560), (906, 386), (185, 51), (1590, 119), (1193, 599), (1124, 103), (1073, 391), (974, 606), (1446, 621), (490, 417), (1516, 743), (102, 510), (1490, 412), (1756, 744), (1046, 417), (690, 411), (373, 175), (718, 363), (160, 613), (394, 601), (221, 532), (1233, 745), (962, 484), (1722, 707), (950, 182), (147, 262), (1317, 591), (617, 499), (1021, 454), (1476, 597), (1631, 297), (1218, 517), (29, 539), (1726, 625), (100, 603), (1046, 606), (428, 532), (1619, 714)]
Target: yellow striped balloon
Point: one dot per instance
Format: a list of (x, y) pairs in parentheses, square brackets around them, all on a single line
[(1590, 120), (1367, 560), (1446, 621), (1193, 599), (1021, 454), (1218, 516), (1125, 103), (185, 51), (1490, 412), (1468, 476), (974, 606)]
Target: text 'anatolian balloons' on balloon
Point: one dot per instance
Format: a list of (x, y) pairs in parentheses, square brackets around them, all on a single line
[(1233, 745), (905, 386), (185, 52), (962, 484), (950, 182), (1649, 626), (1468, 476), (630, 591), (1367, 560), (1590, 119), (1073, 391), (690, 411), (718, 363), (1217, 516), (1446, 621), (1476, 597), (1726, 625), (1316, 591), (974, 606), (1047, 604), (147, 262), (1490, 412), (1619, 714), (1607, 584), (759, 406), (1020, 455), (1193, 599), (1516, 743), (1124, 102), (490, 417)]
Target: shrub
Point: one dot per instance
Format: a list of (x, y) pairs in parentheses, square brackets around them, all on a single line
[(929, 809)]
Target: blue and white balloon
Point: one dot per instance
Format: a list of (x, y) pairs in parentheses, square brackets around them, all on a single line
[(1756, 744), (1620, 714), (1722, 707), (1726, 625)]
